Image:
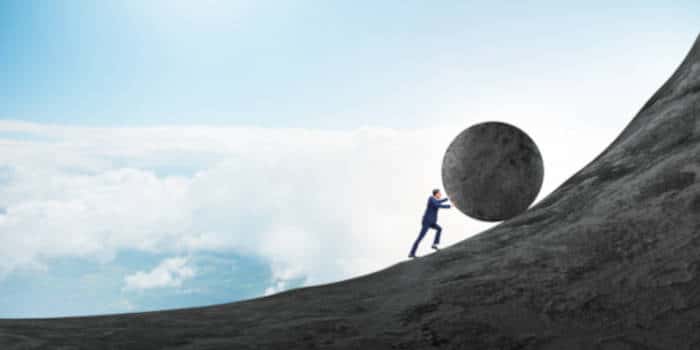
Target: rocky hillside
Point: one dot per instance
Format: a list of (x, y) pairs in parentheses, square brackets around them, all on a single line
[(610, 260)]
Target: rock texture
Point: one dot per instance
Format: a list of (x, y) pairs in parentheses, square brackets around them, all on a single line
[(610, 260), (492, 171)]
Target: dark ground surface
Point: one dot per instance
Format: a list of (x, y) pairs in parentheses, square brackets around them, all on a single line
[(610, 260)]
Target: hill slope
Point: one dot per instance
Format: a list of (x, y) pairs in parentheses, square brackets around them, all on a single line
[(610, 260)]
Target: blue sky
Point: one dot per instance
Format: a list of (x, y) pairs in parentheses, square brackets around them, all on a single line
[(326, 64), (162, 154)]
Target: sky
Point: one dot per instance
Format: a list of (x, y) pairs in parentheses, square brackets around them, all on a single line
[(165, 154)]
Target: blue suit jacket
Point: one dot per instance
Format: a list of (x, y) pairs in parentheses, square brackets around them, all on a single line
[(430, 216)]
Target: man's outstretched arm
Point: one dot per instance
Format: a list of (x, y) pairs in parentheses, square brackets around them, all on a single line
[(438, 203), (444, 206)]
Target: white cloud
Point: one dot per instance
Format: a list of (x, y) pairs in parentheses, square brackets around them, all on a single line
[(170, 272), (317, 205), (276, 287)]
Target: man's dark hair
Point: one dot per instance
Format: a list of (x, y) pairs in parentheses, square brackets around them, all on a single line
[(435, 191)]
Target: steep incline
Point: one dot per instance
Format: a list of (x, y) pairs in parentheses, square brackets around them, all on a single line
[(610, 260)]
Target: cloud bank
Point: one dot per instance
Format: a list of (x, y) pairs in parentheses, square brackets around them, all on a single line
[(317, 205), (169, 273)]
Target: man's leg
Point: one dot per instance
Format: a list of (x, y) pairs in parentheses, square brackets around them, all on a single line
[(423, 230), (438, 231)]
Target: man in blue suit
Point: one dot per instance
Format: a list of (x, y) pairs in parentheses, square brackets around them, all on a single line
[(430, 221)]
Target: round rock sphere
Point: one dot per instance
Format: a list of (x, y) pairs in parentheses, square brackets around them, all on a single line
[(492, 171)]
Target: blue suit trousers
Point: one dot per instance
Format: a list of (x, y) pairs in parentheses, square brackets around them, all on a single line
[(423, 231)]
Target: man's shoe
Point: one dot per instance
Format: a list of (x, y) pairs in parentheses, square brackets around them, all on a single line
[(411, 256), (435, 247)]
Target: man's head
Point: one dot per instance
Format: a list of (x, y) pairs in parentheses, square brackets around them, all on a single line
[(436, 193)]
